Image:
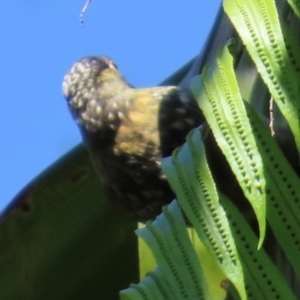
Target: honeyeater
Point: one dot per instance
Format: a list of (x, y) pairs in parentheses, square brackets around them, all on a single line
[(128, 130)]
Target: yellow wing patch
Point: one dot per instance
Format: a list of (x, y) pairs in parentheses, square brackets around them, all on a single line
[(139, 130)]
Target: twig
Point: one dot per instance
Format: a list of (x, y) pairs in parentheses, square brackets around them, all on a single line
[(271, 125), (83, 11)]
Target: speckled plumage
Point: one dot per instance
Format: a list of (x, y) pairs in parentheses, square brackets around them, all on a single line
[(127, 131)]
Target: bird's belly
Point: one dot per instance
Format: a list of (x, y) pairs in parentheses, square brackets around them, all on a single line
[(134, 183)]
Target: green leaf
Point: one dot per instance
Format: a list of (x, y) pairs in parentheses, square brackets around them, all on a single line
[(258, 25), (219, 98), (283, 194), (179, 275), (262, 278), (62, 238), (190, 178)]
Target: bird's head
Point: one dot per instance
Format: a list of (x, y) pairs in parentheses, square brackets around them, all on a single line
[(90, 87)]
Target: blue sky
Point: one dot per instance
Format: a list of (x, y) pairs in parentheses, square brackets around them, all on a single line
[(41, 39)]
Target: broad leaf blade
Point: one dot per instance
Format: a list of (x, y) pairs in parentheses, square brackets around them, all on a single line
[(61, 238)]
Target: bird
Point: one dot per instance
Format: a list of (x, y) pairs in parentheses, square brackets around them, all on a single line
[(127, 131)]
